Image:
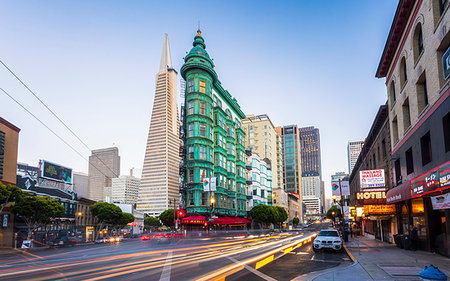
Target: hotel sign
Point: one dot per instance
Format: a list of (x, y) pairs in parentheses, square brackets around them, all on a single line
[(379, 209), (435, 180), (371, 197)]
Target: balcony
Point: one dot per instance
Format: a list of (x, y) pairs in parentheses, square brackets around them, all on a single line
[(248, 166), (249, 181)]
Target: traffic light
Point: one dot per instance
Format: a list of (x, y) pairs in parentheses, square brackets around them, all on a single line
[(180, 213)]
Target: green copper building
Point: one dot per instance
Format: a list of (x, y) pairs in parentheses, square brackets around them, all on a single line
[(214, 140)]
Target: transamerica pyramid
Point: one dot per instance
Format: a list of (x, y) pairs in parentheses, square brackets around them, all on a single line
[(160, 174)]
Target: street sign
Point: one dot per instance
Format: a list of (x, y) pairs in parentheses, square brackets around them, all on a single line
[(446, 63), (5, 219)]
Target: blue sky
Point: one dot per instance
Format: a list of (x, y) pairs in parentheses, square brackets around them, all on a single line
[(310, 63)]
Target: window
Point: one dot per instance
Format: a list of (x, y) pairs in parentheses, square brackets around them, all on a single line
[(191, 152), (191, 86), (214, 101), (191, 198), (202, 175), (417, 42), (383, 148), (251, 128), (202, 86), (191, 175), (202, 153), (392, 97), (398, 175), (265, 127), (191, 108), (403, 72), (191, 130), (202, 130), (409, 161), (422, 92), (204, 199), (406, 115), (202, 108), (446, 128), (252, 141), (229, 114), (395, 129), (425, 147)]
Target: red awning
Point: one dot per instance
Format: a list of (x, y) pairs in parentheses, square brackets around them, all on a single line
[(399, 193), (231, 220), (194, 220)]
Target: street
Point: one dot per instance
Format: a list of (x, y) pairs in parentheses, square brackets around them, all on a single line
[(186, 259)]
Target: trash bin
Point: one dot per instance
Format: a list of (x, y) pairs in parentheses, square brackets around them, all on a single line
[(397, 240), (406, 243), (432, 273)]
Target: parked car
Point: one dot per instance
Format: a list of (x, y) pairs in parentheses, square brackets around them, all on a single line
[(328, 239), (63, 241)]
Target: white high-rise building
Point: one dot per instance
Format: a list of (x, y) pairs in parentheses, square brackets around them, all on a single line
[(353, 150), (160, 174), (125, 189)]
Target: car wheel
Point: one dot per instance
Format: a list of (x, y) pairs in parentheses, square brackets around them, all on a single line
[(315, 250)]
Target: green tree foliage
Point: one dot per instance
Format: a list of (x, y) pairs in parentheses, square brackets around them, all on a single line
[(336, 210), (9, 193), (37, 211), (106, 213), (282, 215), (152, 222), (261, 214), (125, 219), (166, 218), (295, 221)]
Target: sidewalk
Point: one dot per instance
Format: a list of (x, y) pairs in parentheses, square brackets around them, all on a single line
[(377, 260)]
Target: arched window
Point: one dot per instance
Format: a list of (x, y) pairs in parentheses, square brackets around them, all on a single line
[(418, 42), (403, 72), (392, 96)]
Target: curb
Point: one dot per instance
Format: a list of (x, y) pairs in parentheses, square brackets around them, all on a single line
[(348, 253)]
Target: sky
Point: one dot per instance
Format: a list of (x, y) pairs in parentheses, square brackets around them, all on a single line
[(310, 63)]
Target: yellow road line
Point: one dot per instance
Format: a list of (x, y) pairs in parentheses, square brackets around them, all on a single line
[(349, 254), (288, 250), (264, 262)]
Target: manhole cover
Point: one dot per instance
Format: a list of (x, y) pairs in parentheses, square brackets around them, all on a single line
[(401, 270)]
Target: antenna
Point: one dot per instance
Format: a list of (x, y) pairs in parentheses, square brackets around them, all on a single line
[(198, 25)]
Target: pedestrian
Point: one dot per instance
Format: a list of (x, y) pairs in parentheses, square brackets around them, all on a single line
[(413, 237)]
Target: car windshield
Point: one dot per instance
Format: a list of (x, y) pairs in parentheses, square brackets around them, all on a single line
[(329, 233)]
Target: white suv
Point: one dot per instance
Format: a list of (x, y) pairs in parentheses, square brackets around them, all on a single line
[(328, 239)]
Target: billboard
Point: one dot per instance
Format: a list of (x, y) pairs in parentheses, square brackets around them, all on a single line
[(435, 180), (336, 191), (372, 178), (56, 172), (379, 209)]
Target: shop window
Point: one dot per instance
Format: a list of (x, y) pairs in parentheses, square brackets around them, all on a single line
[(403, 72), (425, 147), (409, 161), (422, 93), (191, 153), (417, 206), (406, 115), (446, 128), (202, 85)]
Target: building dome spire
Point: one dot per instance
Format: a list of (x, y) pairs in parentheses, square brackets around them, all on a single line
[(166, 60)]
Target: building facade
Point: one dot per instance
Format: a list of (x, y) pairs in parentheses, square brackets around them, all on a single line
[(81, 184), (160, 174), (84, 220), (311, 171), (353, 150), (125, 189), (292, 174), (214, 140), (416, 67), (260, 188), (261, 138), (104, 164)]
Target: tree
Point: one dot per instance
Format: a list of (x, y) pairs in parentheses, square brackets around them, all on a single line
[(337, 212), (125, 219), (152, 222), (166, 217), (106, 213), (261, 214), (9, 193), (37, 211), (282, 215), (295, 221)]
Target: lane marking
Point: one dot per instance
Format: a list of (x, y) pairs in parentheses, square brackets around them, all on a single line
[(165, 276), (254, 271), (288, 250), (264, 262)]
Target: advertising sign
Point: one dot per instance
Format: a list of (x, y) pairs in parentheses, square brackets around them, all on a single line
[(371, 197), (372, 178), (435, 180), (206, 184), (212, 183), (345, 187), (441, 202), (335, 191), (56, 172), (379, 209)]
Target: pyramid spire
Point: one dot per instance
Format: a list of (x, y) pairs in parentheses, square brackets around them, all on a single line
[(166, 61)]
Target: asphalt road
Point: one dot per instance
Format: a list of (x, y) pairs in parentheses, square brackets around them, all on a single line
[(231, 258)]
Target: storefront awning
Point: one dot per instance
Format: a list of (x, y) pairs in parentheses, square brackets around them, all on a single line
[(399, 193), (231, 220), (193, 220)]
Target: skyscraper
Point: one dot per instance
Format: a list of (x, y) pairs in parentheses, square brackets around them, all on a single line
[(104, 164), (353, 150), (311, 170), (160, 174), (125, 189)]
